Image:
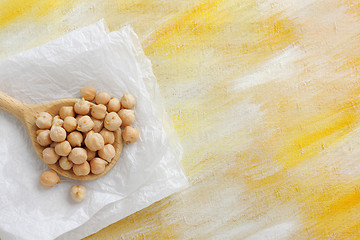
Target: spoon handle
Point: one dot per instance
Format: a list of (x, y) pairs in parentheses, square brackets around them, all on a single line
[(12, 106)]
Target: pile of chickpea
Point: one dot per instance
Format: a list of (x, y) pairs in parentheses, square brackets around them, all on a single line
[(81, 137)]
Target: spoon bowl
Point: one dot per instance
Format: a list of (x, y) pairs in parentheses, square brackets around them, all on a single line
[(27, 112)]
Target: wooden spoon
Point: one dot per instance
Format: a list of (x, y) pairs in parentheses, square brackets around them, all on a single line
[(27, 112)]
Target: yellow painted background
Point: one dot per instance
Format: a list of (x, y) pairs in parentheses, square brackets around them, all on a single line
[(265, 96)]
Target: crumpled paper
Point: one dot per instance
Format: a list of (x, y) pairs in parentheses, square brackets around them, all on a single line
[(147, 171)]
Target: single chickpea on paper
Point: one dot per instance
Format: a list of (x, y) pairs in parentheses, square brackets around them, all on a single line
[(78, 193), (49, 179)]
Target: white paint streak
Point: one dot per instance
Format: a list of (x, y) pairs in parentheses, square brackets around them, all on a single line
[(275, 232), (223, 125), (279, 67)]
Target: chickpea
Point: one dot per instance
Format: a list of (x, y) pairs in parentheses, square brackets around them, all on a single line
[(78, 193), (85, 124), (88, 93), (43, 138), (57, 134), (90, 154), (109, 137), (112, 121), (78, 117), (98, 125), (98, 111), (107, 152), (49, 179), (102, 98), (53, 144), (39, 131), (94, 141), (43, 120), (127, 116), (66, 111), (114, 105), (70, 124), (75, 139), (63, 149), (65, 163), (57, 121), (128, 101), (97, 165), (130, 135), (81, 169), (50, 156), (78, 155), (82, 107), (86, 133)]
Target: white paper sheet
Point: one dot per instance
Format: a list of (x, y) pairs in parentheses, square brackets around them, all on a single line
[(146, 171)]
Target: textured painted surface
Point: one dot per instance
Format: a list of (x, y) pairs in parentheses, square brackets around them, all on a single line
[(265, 97)]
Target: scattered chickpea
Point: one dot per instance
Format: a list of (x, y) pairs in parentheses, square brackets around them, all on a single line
[(63, 149), (127, 116), (114, 105), (112, 121), (85, 124), (94, 141), (128, 101), (98, 111), (50, 156), (81, 169), (57, 134), (57, 121), (82, 107), (130, 135), (102, 98), (43, 138), (98, 125), (70, 124), (75, 139), (78, 155), (109, 137), (88, 93), (43, 120), (66, 111), (97, 165), (78, 193), (107, 152), (65, 164), (49, 179), (90, 154)]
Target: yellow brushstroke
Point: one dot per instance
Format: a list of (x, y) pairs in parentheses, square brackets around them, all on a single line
[(11, 10), (309, 140)]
